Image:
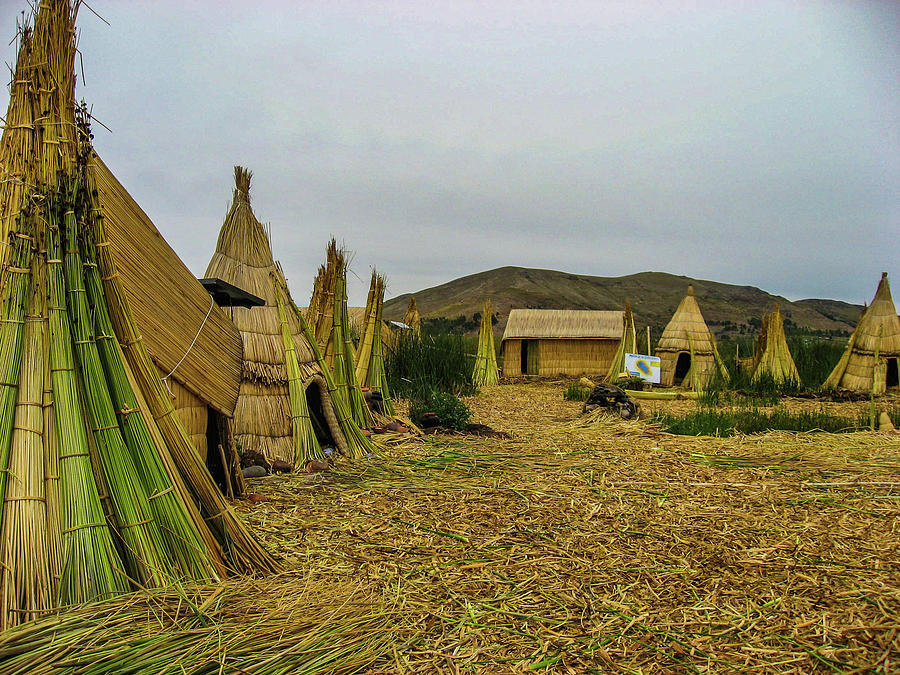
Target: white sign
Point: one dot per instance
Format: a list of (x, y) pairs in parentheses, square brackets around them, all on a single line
[(642, 366)]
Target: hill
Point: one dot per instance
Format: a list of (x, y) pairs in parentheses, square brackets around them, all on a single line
[(728, 309)]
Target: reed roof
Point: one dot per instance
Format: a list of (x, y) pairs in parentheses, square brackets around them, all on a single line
[(686, 328), (879, 326), (244, 259), (169, 304), (563, 324)]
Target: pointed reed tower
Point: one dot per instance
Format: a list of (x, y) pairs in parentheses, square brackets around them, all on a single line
[(486, 372), (687, 349), (773, 356), (870, 362), (268, 419)]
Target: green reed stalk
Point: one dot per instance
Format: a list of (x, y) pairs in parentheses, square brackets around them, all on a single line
[(182, 541), (90, 564), (306, 445)]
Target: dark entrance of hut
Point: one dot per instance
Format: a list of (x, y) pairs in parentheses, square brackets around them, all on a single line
[(316, 393), (682, 367), (221, 455), (529, 362), (892, 379)]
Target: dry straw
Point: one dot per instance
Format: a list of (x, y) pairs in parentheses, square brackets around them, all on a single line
[(411, 318)]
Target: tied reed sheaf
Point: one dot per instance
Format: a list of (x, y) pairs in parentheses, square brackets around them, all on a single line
[(486, 372), (99, 482)]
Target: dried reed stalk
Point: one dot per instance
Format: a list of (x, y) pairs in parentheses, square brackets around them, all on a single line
[(485, 372)]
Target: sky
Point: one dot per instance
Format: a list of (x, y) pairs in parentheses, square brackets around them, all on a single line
[(754, 143)]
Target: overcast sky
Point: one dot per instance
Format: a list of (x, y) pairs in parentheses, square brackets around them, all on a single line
[(744, 142)]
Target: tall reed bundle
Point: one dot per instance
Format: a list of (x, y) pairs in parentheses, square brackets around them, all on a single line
[(264, 420), (370, 353), (874, 344), (333, 334), (486, 355), (98, 480), (627, 345), (355, 443), (773, 356), (411, 318)]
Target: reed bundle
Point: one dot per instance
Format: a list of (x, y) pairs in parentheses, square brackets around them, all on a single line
[(773, 356), (370, 352), (627, 345), (411, 318), (485, 372), (98, 479), (355, 443), (333, 330)]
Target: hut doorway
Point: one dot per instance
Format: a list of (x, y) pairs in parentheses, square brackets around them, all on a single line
[(682, 367), (315, 394), (892, 379), (529, 362)]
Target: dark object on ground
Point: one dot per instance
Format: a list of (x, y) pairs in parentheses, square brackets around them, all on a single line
[(316, 465), (396, 427), (482, 430), (374, 400), (256, 498), (254, 471), (253, 458), (612, 397), (430, 420), (280, 466)]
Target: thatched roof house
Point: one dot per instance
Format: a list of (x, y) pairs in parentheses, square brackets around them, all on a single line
[(262, 417), (687, 349), (560, 341), (870, 361)]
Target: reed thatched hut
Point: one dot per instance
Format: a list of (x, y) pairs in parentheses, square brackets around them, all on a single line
[(560, 341), (687, 349), (262, 417), (773, 356), (193, 343), (870, 362)]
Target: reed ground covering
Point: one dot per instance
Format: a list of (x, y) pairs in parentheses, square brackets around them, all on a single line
[(581, 544), (597, 545)]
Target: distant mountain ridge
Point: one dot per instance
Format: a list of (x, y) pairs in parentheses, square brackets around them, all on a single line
[(653, 295)]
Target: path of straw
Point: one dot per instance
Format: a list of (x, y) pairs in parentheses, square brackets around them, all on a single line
[(608, 547)]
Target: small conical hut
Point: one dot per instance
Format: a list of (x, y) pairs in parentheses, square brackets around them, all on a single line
[(627, 345), (264, 421), (101, 490), (486, 371), (687, 349), (411, 318), (870, 361), (773, 356)]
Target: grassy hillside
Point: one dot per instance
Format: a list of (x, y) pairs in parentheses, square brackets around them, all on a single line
[(653, 295)]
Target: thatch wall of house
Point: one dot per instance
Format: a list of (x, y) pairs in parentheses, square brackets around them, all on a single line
[(870, 362), (559, 341)]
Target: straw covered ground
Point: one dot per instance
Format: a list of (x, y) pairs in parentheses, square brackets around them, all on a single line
[(605, 546), (578, 545)]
